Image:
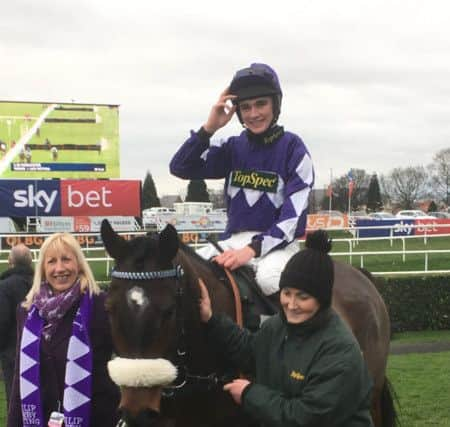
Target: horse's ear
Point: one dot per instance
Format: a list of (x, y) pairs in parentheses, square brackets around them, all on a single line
[(114, 244), (168, 243)]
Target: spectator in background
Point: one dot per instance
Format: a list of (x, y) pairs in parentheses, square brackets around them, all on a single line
[(54, 152), (65, 343), (22, 155), (28, 155), (15, 283)]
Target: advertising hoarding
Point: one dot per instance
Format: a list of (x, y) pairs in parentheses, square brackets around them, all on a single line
[(402, 227), (316, 221), (22, 198), (59, 140)]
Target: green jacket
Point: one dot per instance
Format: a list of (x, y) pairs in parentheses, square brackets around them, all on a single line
[(310, 374)]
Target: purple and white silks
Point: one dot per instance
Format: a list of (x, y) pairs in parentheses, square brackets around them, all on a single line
[(78, 377)]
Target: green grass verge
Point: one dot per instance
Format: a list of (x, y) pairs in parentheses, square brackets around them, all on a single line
[(3, 412), (421, 383), (421, 337), (389, 262)]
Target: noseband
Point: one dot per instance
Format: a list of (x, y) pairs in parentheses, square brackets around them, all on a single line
[(177, 273), (184, 377)]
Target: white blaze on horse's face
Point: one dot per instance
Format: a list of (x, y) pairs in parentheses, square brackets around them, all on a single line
[(136, 297)]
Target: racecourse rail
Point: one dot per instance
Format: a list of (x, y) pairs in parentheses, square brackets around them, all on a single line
[(192, 239)]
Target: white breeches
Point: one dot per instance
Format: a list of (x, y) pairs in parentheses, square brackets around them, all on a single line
[(267, 268)]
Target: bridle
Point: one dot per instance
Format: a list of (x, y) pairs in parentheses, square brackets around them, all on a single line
[(184, 377)]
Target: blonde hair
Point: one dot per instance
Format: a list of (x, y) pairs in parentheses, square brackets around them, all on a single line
[(59, 242)]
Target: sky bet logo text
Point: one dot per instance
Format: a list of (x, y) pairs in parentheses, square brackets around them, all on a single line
[(21, 198)]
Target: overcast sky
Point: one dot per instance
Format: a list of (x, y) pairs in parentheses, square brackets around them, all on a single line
[(366, 83)]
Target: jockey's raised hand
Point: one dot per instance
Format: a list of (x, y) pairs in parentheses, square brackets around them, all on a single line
[(204, 302), (221, 112)]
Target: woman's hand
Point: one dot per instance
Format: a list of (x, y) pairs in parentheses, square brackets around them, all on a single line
[(234, 258), (236, 389), (221, 112), (204, 302)]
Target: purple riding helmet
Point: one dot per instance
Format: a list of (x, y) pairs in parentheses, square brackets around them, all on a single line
[(256, 81)]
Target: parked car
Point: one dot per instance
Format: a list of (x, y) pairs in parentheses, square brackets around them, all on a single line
[(150, 216), (359, 215), (413, 214), (381, 215), (442, 215)]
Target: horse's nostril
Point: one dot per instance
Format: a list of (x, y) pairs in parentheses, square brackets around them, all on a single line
[(144, 418)]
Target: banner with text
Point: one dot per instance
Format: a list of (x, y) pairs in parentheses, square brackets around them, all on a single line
[(402, 227), (22, 198)]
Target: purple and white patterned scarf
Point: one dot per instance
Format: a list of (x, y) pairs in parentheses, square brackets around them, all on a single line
[(53, 307), (78, 377)]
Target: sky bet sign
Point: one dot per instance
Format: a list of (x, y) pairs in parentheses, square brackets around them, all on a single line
[(21, 198)]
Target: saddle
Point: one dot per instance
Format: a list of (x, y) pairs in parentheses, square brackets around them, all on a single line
[(253, 305)]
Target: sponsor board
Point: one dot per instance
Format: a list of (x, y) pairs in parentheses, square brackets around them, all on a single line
[(22, 198), (316, 221), (432, 226), (35, 241), (403, 227), (212, 222), (84, 224)]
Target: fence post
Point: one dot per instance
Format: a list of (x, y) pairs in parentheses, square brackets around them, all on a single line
[(350, 246), (404, 247)]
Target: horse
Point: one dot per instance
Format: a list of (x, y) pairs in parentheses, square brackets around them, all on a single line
[(153, 307)]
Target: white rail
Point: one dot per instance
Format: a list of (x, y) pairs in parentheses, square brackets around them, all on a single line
[(352, 243)]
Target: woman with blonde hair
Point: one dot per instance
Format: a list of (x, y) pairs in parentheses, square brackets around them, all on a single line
[(64, 344)]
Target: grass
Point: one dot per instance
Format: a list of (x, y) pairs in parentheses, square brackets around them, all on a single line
[(421, 383), (373, 263), (2, 404), (421, 337), (390, 262)]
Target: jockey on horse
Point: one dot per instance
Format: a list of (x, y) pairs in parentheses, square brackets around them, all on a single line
[(268, 176)]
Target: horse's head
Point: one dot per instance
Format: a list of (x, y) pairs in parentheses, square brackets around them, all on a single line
[(142, 305)]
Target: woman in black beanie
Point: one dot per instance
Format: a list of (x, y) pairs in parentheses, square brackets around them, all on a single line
[(307, 366)]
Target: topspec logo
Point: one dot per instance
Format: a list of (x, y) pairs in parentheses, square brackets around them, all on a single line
[(31, 198)]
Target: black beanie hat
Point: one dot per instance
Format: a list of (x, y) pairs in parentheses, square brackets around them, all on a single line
[(311, 270)]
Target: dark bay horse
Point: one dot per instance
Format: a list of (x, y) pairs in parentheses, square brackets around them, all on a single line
[(153, 309)]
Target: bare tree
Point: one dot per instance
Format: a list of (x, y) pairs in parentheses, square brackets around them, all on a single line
[(406, 185), (440, 175)]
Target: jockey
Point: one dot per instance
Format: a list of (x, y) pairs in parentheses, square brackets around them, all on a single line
[(268, 176)]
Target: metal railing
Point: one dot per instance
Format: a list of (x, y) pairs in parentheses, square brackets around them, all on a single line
[(351, 253)]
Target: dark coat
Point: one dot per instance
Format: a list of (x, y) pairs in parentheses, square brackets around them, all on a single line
[(309, 374), (105, 394), (14, 285)]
